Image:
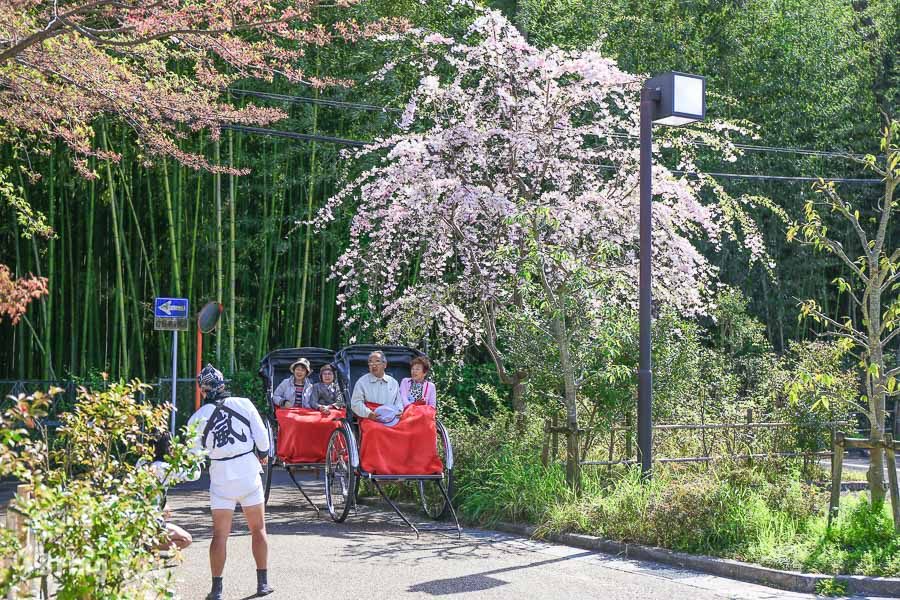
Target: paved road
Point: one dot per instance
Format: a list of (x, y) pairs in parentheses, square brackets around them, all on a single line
[(374, 557)]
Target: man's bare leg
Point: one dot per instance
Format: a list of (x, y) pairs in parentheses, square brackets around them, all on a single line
[(256, 522), (221, 531)]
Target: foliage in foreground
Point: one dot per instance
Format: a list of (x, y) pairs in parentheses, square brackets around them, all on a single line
[(95, 514), (764, 513)]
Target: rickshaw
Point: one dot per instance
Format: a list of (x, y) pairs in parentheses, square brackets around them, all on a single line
[(274, 368), (344, 464)]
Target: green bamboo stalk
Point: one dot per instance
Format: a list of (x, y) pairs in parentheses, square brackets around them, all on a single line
[(220, 276), (265, 312), (232, 208), (323, 284), (173, 233), (20, 334), (120, 284), (137, 321), (74, 359), (87, 331), (46, 364), (162, 341), (47, 329), (196, 221), (310, 193)]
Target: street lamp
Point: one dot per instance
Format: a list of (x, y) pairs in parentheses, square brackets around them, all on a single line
[(668, 99)]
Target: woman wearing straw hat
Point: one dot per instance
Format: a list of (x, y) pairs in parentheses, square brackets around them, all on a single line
[(294, 391)]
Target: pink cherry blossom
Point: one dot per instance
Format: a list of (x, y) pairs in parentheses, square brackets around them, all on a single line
[(521, 178)]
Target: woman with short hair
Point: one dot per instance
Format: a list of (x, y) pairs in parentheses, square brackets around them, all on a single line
[(416, 388), (326, 394)]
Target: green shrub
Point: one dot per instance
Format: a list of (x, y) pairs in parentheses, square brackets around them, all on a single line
[(831, 587), (94, 513), (860, 541)]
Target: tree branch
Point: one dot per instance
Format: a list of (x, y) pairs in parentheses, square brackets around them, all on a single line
[(55, 27), (838, 204), (844, 330)]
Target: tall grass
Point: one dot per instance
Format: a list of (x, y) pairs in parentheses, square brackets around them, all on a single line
[(764, 513)]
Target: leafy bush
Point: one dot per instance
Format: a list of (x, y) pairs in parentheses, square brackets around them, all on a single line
[(94, 513), (711, 514), (861, 541), (507, 482), (763, 513), (248, 384)]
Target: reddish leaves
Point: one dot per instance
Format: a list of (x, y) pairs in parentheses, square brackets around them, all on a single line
[(16, 294), (65, 63)]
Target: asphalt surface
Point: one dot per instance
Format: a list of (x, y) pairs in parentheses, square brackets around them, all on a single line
[(374, 556)]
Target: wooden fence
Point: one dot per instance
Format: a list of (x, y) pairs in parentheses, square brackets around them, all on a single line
[(742, 433), (890, 447)]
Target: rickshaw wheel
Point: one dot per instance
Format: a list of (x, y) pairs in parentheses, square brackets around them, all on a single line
[(340, 479), (269, 466), (432, 500)]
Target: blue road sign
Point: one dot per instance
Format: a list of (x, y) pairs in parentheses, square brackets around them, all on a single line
[(176, 308)]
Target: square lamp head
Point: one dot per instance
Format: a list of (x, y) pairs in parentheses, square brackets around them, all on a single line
[(681, 98)]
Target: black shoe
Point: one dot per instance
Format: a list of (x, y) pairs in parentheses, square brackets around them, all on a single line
[(264, 590), (214, 596)]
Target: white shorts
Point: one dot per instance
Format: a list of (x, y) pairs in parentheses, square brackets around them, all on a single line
[(246, 492)]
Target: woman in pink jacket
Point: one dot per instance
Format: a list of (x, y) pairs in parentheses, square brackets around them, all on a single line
[(416, 388)]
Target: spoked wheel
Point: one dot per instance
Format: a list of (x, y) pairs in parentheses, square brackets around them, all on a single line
[(432, 500), (269, 465), (340, 480)]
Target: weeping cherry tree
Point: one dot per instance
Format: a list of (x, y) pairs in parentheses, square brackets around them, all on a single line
[(513, 190)]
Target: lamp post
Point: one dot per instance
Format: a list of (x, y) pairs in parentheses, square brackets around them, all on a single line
[(668, 99)]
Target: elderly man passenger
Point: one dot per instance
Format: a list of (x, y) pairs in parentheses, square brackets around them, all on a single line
[(377, 388)]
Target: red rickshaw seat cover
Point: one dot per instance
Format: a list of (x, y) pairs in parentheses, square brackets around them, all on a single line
[(407, 448), (303, 433)]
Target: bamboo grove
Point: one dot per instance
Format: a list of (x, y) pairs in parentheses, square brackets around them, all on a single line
[(136, 233), (139, 231)]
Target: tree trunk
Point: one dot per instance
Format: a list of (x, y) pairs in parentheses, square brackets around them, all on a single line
[(875, 475), (517, 382), (573, 458)]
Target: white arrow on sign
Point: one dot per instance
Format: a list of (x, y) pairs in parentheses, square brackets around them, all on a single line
[(167, 307)]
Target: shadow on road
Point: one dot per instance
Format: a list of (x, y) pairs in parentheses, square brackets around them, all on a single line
[(477, 582)]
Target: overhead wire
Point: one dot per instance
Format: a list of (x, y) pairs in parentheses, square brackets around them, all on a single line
[(360, 144), (379, 108), (311, 100)]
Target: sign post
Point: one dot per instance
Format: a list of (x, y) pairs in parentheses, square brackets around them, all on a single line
[(174, 380), (171, 314)]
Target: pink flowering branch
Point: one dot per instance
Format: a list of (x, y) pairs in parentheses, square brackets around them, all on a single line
[(519, 158), (64, 63)]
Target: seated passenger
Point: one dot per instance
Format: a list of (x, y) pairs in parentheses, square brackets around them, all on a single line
[(377, 388), (326, 394), (416, 388), (294, 391)]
